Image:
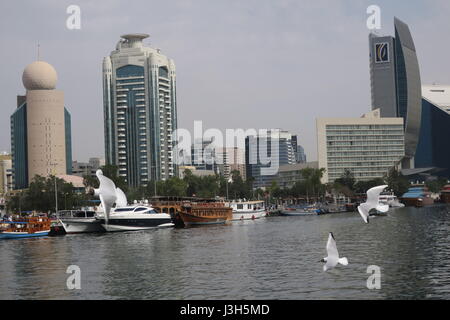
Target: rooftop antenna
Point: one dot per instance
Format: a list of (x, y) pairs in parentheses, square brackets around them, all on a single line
[(38, 52)]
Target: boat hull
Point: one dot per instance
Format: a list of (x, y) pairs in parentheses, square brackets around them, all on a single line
[(298, 213), (21, 235), (248, 215), (81, 225), (190, 220), (121, 225), (417, 202)]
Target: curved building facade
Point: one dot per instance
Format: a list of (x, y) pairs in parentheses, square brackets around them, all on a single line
[(395, 83)]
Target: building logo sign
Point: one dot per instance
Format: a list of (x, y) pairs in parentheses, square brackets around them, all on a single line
[(381, 52)]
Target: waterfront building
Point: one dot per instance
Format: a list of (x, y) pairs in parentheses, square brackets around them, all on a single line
[(395, 83), (5, 173), (289, 174), (140, 111), (368, 146), (41, 142), (277, 147), (82, 169), (433, 150)]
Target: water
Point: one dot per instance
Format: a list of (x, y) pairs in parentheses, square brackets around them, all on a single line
[(273, 258)]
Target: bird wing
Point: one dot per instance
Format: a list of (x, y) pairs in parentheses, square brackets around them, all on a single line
[(106, 207), (373, 195), (362, 209), (331, 248), (121, 198)]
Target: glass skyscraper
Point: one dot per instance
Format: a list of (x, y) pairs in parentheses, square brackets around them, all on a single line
[(395, 83), (140, 111)]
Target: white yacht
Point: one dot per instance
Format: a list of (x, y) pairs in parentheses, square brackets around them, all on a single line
[(79, 221), (136, 217), (248, 210), (391, 200)]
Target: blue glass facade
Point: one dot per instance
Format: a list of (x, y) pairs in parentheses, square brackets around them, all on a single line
[(433, 149), (19, 147)]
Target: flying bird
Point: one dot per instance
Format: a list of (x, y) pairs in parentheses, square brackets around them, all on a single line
[(333, 255), (106, 192), (372, 203)]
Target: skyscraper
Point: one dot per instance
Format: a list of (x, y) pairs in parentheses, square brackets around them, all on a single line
[(40, 128), (395, 83), (140, 111)]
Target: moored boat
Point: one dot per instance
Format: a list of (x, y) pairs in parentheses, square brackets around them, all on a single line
[(247, 210), (391, 200), (204, 213), (29, 227), (301, 211), (79, 221), (445, 194), (417, 197)]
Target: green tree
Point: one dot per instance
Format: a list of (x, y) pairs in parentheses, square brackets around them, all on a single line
[(397, 182)]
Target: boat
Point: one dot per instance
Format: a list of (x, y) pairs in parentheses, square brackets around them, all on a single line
[(391, 200), (445, 194), (417, 196), (79, 221), (205, 213), (134, 218), (302, 211), (29, 227), (247, 210)]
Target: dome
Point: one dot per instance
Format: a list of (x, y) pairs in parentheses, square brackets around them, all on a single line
[(39, 76)]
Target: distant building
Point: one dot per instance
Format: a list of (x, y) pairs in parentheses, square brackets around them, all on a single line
[(196, 172), (433, 150), (368, 146), (289, 174), (395, 83), (278, 151), (203, 155), (229, 160), (41, 142), (5, 173), (300, 156), (82, 169), (140, 111)]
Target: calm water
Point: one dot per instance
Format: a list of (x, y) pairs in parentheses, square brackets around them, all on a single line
[(273, 258)]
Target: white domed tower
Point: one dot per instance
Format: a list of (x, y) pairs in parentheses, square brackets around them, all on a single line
[(40, 132)]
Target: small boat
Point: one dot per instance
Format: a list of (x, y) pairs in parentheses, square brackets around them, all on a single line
[(247, 210), (29, 227), (417, 197), (302, 211), (391, 200), (134, 218), (79, 221), (445, 194)]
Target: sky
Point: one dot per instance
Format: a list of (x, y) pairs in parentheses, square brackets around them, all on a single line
[(240, 63)]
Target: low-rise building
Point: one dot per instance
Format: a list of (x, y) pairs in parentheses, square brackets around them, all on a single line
[(289, 174)]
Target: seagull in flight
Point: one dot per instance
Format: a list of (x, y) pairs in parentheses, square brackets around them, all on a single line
[(372, 203), (333, 255)]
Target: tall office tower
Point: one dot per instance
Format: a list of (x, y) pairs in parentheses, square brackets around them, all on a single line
[(140, 111), (433, 150), (265, 153), (40, 128), (300, 155), (5, 173), (395, 83), (368, 146), (203, 155)]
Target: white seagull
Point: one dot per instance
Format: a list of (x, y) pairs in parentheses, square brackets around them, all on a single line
[(372, 203), (106, 192), (333, 255)]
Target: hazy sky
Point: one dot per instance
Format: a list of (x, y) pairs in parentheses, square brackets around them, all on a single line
[(240, 63)]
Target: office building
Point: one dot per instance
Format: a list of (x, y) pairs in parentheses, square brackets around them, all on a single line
[(290, 174), (368, 146), (265, 153), (229, 160), (395, 83), (82, 169), (433, 150), (140, 111), (5, 173), (40, 128)]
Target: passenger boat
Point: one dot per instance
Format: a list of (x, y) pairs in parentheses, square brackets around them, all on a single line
[(134, 218), (445, 194), (25, 228), (417, 197), (247, 210), (391, 200), (79, 221), (204, 213)]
